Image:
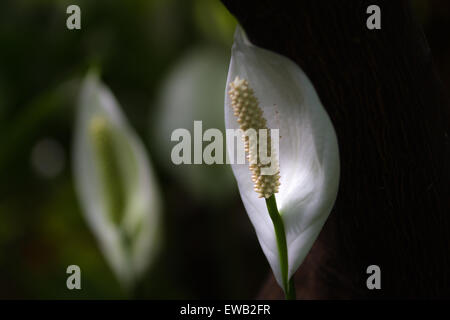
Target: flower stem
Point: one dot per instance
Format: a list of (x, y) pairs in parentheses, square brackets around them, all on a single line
[(289, 288)]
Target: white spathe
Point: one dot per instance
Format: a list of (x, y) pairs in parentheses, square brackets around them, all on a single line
[(308, 154), (142, 207)]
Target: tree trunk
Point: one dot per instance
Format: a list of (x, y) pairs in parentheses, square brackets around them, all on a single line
[(392, 121)]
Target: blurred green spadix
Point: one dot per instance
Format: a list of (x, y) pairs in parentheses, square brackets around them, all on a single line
[(106, 157)]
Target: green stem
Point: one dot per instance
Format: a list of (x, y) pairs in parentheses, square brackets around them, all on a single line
[(289, 288), (290, 295)]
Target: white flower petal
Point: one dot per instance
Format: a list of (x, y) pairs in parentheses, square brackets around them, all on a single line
[(142, 207), (308, 155)]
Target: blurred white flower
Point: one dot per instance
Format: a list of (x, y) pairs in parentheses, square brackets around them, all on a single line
[(115, 183), (47, 158), (193, 91), (308, 152)]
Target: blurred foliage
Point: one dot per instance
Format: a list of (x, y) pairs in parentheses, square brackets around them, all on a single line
[(209, 249)]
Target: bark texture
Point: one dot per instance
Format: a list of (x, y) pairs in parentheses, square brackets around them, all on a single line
[(392, 120)]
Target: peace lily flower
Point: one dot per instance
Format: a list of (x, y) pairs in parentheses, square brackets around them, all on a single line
[(115, 183), (289, 207)]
